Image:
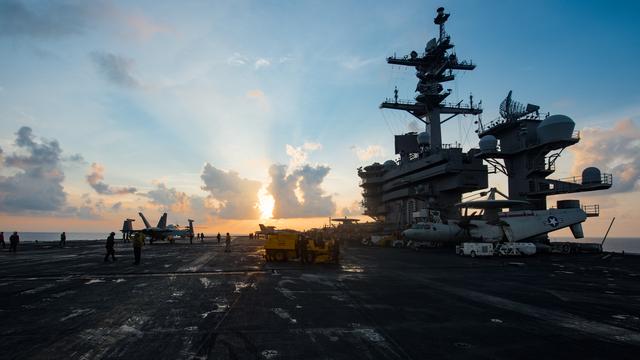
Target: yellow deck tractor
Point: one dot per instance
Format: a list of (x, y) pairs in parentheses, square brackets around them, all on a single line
[(298, 246)]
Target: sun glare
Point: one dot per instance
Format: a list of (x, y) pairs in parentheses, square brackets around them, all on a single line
[(266, 203)]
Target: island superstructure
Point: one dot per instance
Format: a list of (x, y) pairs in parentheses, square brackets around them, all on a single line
[(429, 178)]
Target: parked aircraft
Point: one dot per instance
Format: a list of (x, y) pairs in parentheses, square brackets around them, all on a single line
[(162, 231), (495, 226)]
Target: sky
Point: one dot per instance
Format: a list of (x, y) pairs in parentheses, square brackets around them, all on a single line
[(235, 113)]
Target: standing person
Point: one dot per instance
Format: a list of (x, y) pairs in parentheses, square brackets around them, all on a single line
[(218, 237), (63, 239), (201, 237), (13, 242), (227, 247), (111, 241), (2, 239), (138, 241)]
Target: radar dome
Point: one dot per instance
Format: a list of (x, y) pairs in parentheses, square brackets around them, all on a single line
[(555, 128), (424, 138), (591, 175), (488, 143), (389, 164)]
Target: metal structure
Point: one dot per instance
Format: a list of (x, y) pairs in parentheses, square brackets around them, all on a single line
[(429, 174), (525, 146), (430, 177)]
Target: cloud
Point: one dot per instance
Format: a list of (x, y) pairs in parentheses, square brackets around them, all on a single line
[(355, 62), (95, 177), (54, 19), (37, 185), (115, 68), (168, 198), (116, 207), (43, 20), (140, 26), (307, 180), (615, 150), (237, 59), (238, 197), (260, 63), (352, 210), (259, 96), (368, 153), (300, 154)]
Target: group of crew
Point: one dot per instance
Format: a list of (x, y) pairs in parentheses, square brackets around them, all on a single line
[(14, 239), (137, 241)]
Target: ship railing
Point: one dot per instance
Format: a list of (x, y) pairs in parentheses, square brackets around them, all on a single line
[(461, 105), (399, 101), (606, 179), (591, 210)]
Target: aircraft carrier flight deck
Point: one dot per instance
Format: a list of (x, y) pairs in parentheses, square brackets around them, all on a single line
[(196, 302)]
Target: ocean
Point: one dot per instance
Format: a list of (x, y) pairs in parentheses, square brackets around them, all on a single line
[(55, 236), (628, 245)]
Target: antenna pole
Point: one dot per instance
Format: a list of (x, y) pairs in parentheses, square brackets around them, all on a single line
[(607, 233)]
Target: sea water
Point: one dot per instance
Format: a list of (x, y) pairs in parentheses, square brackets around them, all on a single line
[(615, 244), (55, 236)]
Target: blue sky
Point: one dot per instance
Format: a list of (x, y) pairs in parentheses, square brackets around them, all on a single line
[(152, 92)]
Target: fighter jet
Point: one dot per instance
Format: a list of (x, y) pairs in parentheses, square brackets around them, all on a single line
[(494, 226), (162, 231)]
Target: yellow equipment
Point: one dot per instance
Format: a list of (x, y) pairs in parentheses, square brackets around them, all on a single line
[(294, 246)]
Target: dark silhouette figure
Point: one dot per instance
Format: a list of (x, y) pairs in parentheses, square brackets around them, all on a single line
[(13, 242), (191, 238), (138, 242), (63, 239), (201, 237), (227, 247), (218, 237), (303, 250), (111, 242), (2, 239)]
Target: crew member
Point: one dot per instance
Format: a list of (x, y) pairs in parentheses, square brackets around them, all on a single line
[(191, 238), (227, 247), (63, 239), (218, 237), (111, 241), (13, 242), (2, 239), (138, 241)]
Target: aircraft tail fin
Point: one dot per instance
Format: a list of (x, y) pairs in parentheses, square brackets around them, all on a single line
[(162, 223), (144, 219), (262, 228), (127, 225)]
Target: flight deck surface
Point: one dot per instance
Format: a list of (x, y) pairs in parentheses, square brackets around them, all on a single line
[(196, 301)]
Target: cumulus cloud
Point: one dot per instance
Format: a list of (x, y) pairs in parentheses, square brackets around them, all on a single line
[(115, 68), (352, 210), (300, 154), (37, 185), (237, 197), (307, 180), (615, 150), (95, 179), (368, 153), (168, 198)]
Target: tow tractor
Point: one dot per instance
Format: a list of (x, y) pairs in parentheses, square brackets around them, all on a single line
[(308, 248)]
